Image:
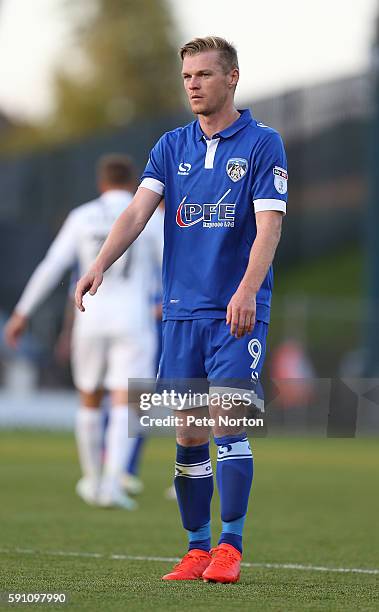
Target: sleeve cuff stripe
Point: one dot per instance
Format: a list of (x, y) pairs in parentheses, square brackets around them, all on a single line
[(153, 185), (263, 204)]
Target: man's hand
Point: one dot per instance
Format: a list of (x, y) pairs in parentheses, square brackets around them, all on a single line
[(14, 329), (89, 283), (240, 314)]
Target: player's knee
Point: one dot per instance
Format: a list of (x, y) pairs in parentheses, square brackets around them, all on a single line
[(191, 439)]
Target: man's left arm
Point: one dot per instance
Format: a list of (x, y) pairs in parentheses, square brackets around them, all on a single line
[(241, 311)]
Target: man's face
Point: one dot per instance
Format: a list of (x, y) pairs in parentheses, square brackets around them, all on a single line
[(207, 85)]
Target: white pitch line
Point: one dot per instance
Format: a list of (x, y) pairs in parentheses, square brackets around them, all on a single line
[(313, 568), (290, 566)]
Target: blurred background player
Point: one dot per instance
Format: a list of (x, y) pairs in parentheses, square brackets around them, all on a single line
[(130, 480), (116, 339)]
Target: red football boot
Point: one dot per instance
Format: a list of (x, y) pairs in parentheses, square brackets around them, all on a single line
[(225, 564), (191, 567)]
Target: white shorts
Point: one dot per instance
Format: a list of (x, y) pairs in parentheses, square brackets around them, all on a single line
[(101, 362)]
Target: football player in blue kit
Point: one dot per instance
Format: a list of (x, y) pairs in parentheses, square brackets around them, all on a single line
[(224, 180)]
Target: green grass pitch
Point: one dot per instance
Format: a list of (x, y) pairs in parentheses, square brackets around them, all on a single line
[(315, 502)]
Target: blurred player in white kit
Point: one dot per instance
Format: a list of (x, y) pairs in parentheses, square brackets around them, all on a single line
[(116, 338)]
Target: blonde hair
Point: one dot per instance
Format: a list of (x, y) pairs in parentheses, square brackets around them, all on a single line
[(227, 53)]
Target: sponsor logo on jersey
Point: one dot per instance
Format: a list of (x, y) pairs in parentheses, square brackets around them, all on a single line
[(184, 169), (280, 179), (221, 214), (236, 168)]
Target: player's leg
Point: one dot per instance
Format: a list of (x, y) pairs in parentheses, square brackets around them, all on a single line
[(127, 357), (194, 489), (117, 449), (130, 479), (87, 369), (145, 366), (234, 369), (234, 476), (181, 361), (194, 478), (88, 432)]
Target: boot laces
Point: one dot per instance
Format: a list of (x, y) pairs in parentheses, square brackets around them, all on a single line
[(222, 557), (189, 556)]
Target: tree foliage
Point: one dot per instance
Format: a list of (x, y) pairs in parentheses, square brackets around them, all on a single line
[(123, 64)]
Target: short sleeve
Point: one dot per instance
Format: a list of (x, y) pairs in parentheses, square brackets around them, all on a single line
[(269, 189), (153, 177)]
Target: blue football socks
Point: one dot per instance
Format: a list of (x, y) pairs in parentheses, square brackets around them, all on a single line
[(135, 456), (194, 490), (234, 477)]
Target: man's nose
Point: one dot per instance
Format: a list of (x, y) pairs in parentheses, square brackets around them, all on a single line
[(194, 83)]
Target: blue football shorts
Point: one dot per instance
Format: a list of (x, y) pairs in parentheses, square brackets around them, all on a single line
[(201, 356)]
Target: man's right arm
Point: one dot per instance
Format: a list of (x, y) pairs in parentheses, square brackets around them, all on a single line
[(59, 258), (124, 232)]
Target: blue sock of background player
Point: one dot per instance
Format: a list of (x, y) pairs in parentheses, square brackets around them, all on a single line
[(194, 490), (234, 477), (132, 466)]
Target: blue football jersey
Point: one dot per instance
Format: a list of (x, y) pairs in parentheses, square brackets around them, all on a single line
[(212, 190)]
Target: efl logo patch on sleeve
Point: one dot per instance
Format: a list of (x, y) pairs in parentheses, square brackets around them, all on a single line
[(280, 179)]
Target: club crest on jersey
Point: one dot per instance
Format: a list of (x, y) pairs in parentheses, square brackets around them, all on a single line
[(236, 168), (280, 179)]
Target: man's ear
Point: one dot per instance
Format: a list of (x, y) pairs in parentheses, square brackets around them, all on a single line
[(234, 76)]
